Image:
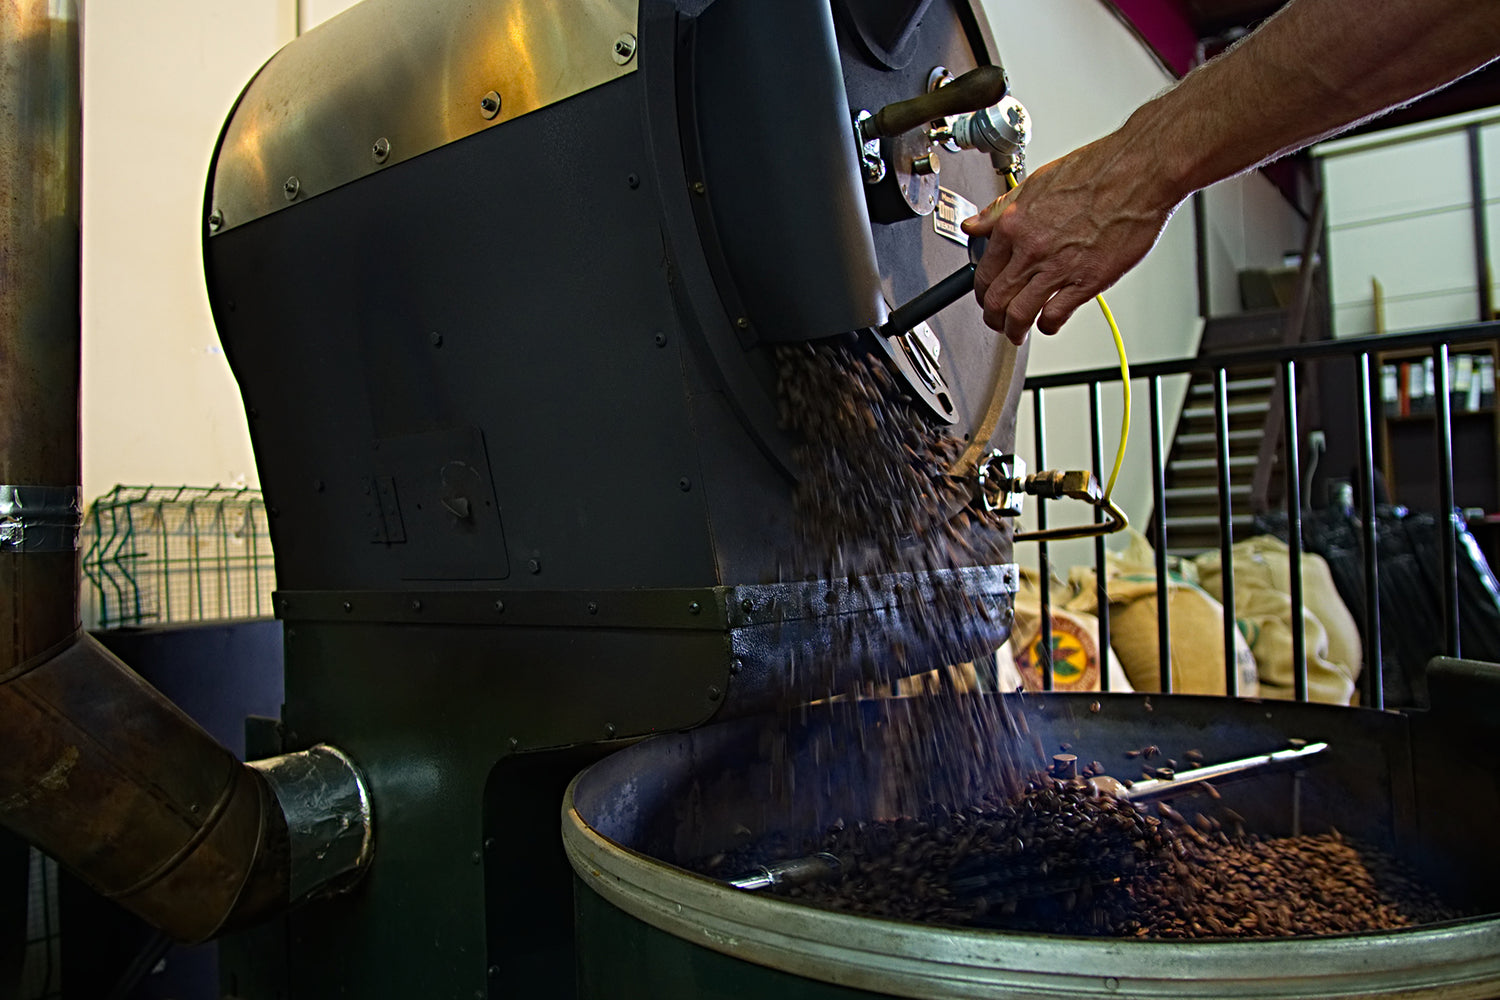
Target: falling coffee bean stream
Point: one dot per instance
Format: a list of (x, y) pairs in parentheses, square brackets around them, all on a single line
[(983, 837)]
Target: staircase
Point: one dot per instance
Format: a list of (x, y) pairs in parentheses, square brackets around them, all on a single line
[(1192, 492)]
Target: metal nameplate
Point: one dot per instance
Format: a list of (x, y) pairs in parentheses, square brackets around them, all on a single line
[(389, 80), (952, 209)]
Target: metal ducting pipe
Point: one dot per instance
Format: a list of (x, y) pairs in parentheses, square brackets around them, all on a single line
[(96, 767)]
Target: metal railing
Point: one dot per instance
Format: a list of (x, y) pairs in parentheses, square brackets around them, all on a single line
[(153, 555), (1363, 352)]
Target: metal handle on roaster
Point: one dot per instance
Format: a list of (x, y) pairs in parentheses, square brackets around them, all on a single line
[(937, 298)]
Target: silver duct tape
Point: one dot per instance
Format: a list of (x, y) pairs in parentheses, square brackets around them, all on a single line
[(40, 518), (329, 819)]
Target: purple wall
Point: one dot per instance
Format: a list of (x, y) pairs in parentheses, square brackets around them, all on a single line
[(1164, 25)]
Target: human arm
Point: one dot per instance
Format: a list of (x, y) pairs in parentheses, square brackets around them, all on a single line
[(1315, 68)]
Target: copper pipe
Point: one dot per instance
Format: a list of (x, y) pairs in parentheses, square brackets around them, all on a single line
[(96, 767)]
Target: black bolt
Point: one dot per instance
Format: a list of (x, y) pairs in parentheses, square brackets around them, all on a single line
[(633, 180), (500, 607), (348, 607), (684, 484), (609, 729), (661, 339), (743, 322), (436, 338), (416, 605), (694, 608), (490, 843), (593, 608), (736, 665), (747, 605), (534, 565), (476, 858), (714, 694), (699, 187), (494, 971)]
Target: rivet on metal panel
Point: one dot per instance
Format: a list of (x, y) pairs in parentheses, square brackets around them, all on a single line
[(699, 187), (416, 605), (593, 608), (290, 188), (714, 694), (494, 971), (348, 607), (742, 322), (533, 565), (660, 339), (736, 666), (380, 150), (476, 857), (489, 104), (490, 843), (609, 729), (215, 220), (500, 607), (684, 484), (747, 605), (514, 743), (633, 180), (624, 49), (435, 339), (694, 608)]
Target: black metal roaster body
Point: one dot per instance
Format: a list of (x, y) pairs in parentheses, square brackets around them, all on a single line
[(500, 284)]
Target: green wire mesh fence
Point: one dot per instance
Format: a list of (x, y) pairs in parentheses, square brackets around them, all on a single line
[(159, 554)]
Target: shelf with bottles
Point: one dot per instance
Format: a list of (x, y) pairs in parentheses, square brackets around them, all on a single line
[(1408, 378), (1407, 436)]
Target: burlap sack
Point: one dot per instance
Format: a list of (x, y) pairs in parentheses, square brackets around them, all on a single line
[(1263, 604), (1195, 619), (1075, 645)]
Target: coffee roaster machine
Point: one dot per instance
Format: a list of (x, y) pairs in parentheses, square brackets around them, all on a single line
[(500, 283)]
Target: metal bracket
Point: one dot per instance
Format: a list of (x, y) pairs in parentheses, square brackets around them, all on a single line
[(869, 151), (1000, 483)]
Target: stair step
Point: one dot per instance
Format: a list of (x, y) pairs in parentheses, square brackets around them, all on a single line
[(1204, 492), (1232, 410), (1236, 385), (1206, 521), (1189, 464), (1192, 440)]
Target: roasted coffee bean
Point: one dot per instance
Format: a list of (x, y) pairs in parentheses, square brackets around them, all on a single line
[(1057, 860)]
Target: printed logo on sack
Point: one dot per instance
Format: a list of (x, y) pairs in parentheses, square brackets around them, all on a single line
[(1075, 663)]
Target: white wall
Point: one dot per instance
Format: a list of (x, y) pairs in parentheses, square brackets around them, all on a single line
[(1250, 225), (159, 403), (1080, 73)]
